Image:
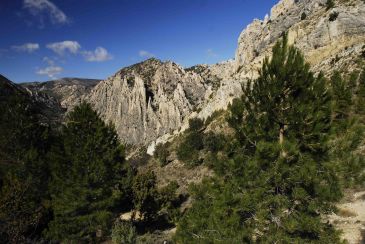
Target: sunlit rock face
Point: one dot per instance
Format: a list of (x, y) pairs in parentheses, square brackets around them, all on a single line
[(320, 33), (148, 100)]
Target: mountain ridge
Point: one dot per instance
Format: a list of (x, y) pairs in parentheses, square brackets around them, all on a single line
[(151, 101)]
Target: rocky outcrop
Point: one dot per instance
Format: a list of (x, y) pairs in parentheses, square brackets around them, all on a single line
[(66, 92), (152, 101), (330, 40), (320, 33), (149, 99)]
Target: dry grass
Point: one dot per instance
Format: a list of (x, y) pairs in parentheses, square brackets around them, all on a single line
[(346, 213)]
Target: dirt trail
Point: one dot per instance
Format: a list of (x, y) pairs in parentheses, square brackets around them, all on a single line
[(351, 218)]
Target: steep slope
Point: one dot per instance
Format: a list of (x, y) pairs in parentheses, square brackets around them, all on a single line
[(67, 92), (331, 39), (149, 99), (48, 110), (327, 37)]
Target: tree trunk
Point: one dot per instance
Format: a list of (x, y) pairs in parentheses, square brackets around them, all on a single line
[(281, 139)]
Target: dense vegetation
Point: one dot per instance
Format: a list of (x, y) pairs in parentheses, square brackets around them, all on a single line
[(293, 150), (70, 184), (292, 147)]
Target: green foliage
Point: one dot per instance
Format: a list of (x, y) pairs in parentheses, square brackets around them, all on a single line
[(145, 195), (24, 169), (213, 142), (360, 98), (303, 16), (275, 181), (162, 153), (195, 124), (87, 178), (333, 16), (342, 100), (192, 143), (349, 162), (330, 4), (349, 128), (124, 233), (169, 201)]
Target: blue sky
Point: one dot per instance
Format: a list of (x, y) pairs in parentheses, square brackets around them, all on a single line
[(48, 39)]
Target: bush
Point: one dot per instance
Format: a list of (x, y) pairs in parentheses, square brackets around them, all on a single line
[(192, 143), (304, 16), (124, 233), (195, 124), (145, 195), (169, 201), (330, 4), (333, 16), (161, 153), (213, 142)]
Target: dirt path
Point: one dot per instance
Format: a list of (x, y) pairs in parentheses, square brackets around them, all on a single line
[(351, 218)]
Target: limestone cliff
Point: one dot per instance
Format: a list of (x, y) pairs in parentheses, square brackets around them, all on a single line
[(149, 99), (319, 32)]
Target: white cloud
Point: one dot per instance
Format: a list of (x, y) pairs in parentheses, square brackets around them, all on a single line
[(146, 54), (27, 47), (52, 70), (49, 61), (39, 8), (211, 54), (61, 47), (100, 54)]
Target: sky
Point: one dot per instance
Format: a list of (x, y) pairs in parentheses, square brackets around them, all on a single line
[(42, 40)]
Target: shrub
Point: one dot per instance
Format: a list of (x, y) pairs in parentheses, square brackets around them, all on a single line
[(195, 124), (333, 16), (124, 232), (192, 143), (304, 16), (161, 153), (213, 142), (169, 201), (145, 195), (330, 4)]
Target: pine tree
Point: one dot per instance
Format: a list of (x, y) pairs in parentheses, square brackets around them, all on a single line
[(275, 182), (342, 100), (360, 94), (24, 170), (145, 195), (330, 4), (87, 179)]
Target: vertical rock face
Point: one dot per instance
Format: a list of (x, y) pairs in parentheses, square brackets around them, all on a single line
[(148, 100), (152, 99), (318, 32)]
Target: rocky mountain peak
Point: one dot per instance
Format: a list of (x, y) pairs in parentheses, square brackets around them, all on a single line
[(148, 99)]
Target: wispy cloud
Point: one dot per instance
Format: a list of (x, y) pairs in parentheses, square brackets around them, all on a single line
[(100, 54), (211, 54), (52, 70), (45, 8), (27, 47), (66, 46), (146, 54), (2, 51)]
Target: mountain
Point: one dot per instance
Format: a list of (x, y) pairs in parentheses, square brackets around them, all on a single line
[(66, 91), (149, 102), (47, 108), (149, 99)]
